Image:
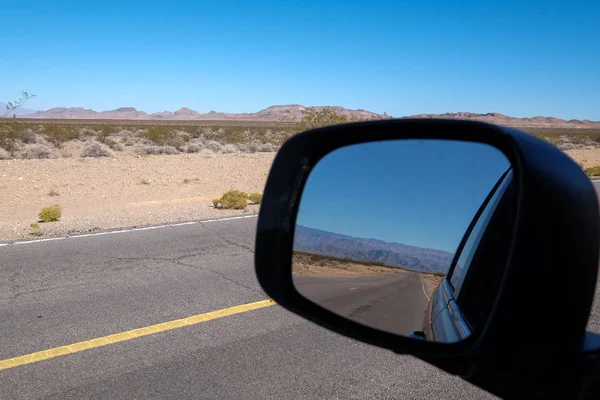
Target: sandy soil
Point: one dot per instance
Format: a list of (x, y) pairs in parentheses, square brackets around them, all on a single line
[(431, 282), (105, 193), (588, 157)]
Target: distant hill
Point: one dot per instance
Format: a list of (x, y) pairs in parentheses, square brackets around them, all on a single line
[(501, 119), (292, 113), (315, 241)]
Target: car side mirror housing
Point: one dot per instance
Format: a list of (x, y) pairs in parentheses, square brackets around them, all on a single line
[(471, 246)]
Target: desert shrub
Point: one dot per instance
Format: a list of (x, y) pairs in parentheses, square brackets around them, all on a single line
[(31, 137), (156, 150), (314, 118), (50, 213), (114, 144), (4, 155), (164, 135), (256, 198), (10, 133), (566, 146), (216, 202), (157, 133), (229, 148), (593, 171), (59, 134), (34, 229), (96, 149), (234, 199), (106, 130), (194, 148), (214, 146), (35, 151)]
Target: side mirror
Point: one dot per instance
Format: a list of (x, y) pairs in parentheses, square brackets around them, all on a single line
[(471, 246)]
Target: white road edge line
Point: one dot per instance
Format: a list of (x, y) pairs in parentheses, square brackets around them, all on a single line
[(423, 287), (146, 228)]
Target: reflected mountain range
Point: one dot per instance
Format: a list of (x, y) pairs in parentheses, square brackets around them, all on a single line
[(315, 241)]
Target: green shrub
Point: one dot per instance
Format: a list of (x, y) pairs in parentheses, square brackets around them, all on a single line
[(235, 200), (50, 213), (593, 171), (256, 198), (216, 202)]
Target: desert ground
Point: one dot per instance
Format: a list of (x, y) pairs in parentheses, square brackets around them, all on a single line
[(125, 191), (138, 176), (586, 157)]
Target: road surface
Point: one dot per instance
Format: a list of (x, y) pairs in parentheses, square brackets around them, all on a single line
[(80, 290), (395, 303)]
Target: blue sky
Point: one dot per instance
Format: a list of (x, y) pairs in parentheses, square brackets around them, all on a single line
[(414, 192), (539, 58)]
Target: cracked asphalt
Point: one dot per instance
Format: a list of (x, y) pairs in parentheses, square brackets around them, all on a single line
[(60, 292)]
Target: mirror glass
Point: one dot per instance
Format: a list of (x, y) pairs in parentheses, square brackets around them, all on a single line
[(378, 227)]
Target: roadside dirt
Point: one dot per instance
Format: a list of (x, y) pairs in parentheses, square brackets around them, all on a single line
[(431, 282), (303, 265), (588, 157), (126, 191)]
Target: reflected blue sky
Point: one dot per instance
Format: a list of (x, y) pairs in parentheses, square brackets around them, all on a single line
[(416, 192)]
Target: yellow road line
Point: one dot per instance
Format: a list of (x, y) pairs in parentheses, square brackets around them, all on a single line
[(132, 334), (352, 288)]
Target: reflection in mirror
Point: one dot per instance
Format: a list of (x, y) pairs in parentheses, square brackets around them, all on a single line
[(379, 224)]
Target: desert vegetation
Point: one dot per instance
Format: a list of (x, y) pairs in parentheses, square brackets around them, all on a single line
[(46, 139), (593, 171), (236, 200), (50, 213)]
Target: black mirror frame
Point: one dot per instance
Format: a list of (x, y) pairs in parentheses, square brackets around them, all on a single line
[(556, 225)]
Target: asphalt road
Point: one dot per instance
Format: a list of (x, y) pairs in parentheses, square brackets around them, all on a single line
[(60, 292), (395, 303)]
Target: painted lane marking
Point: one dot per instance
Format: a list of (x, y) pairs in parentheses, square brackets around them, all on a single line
[(352, 288), (423, 286), (146, 228), (128, 335)]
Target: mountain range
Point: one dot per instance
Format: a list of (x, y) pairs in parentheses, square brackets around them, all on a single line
[(291, 113), (315, 241)]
